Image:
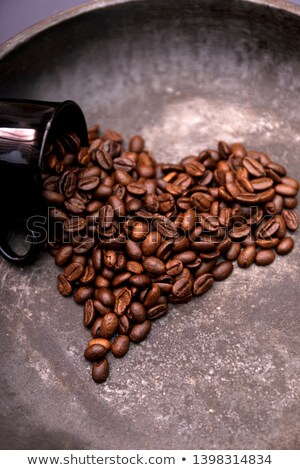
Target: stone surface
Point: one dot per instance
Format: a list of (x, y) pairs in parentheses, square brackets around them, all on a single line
[(224, 370)]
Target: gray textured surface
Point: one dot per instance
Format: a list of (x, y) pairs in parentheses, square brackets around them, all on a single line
[(224, 370)]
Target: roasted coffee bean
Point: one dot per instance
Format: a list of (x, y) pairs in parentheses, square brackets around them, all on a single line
[(285, 190), (233, 252), (85, 245), (95, 331), (53, 197), (134, 267), (195, 168), (63, 255), (285, 246), (202, 284), (164, 250), (124, 325), (73, 272), (239, 232), (291, 219), (186, 257), (110, 258), (95, 352), (103, 342), (119, 279), (253, 167), (152, 296), (182, 287), (165, 226), (140, 280), (246, 257), (99, 306), (180, 244), (67, 184), (136, 144), (222, 270), (106, 296), (133, 250), (89, 183), (109, 325), (154, 266), (174, 267), (157, 311), (74, 225), (89, 314), (137, 312), (261, 184), (63, 286), (123, 301), (267, 244), (268, 229), (201, 201), (120, 346), (88, 275), (100, 281), (82, 294), (100, 371), (140, 331), (264, 257), (290, 202), (75, 206)]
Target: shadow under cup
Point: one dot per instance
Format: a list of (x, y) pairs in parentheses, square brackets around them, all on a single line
[(27, 129)]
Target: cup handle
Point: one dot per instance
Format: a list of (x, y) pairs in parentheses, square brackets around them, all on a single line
[(10, 255)]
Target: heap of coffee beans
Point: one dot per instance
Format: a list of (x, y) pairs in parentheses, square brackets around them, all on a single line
[(133, 235)]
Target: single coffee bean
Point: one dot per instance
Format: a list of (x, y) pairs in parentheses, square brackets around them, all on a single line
[(73, 272), (89, 183), (123, 301), (165, 226), (119, 279), (140, 331), (136, 144), (239, 232), (290, 202), (63, 286), (120, 346), (246, 257), (261, 184), (267, 244), (134, 267), (233, 252), (63, 255), (53, 197), (202, 284), (74, 225), (88, 275), (157, 311), (185, 257), (124, 325), (75, 206), (264, 257), (182, 287), (180, 244), (85, 245), (109, 325), (140, 280), (133, 250), (291, 219), (285, 190), (253, 167), (174, 267), (89, 314), (164, 250), (103, 342), (106, 297), (100, 371), (82, 294), (154, 266), (95, 331), (268, 229), (152, 296), (95, 352), (222, 270), (99, 306), (137, 312), (285, 246), (100, 281)]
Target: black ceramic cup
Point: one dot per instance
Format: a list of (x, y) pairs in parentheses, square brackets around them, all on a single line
[(26, 130)]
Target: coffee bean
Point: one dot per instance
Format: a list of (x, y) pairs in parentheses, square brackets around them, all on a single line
[(264, 257), (182, 287), (74, 225), (268, 229), (140, 331), (164, 250), (174, 267), (63, 286), (157, 311), (95, 331), (152, 296), (104, 159), (290, 202), (109, 325), (261, 184), (123, 300), (120, 346), (82, 294), (95, 352), (73, 272), (89, 315), (136, 144), (165, 226), (124, 325), (291, 219), (154, 266), (267, 244), (222, 270), (140, 280), (63, 255), (137, 312), (53, 197), (246, 257), (202, 284), (89, 183), (85, 245), (100, 371), (106, 297), (110, 258), (88, 275), (253, 167), (75, 206), (285, 246), (103, 342), (134, 267), (233, 252), (133, 250)]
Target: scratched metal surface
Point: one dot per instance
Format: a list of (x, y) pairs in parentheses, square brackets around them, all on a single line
[(224, 370)]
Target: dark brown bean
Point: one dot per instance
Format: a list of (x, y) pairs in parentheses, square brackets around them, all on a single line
[(82, 294), (100, 371), (123, 301), (152, 296), (63, 286), (63, 255), (182, 287), (154, 266), (137, 312), (285, 246), (73, 272), (140, 332), (291, 219), (109, 325), (95, 352), (157, 311), (246, 257), (120, 346), (202, 284), (264, 257), (222, 270)]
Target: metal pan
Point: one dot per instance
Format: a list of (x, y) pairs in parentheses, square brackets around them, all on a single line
[(222, 371)]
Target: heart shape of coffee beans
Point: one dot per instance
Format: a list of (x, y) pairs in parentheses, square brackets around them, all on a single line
[(134, 235)]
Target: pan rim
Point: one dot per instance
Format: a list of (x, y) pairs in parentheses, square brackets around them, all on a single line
[(53, 20)]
